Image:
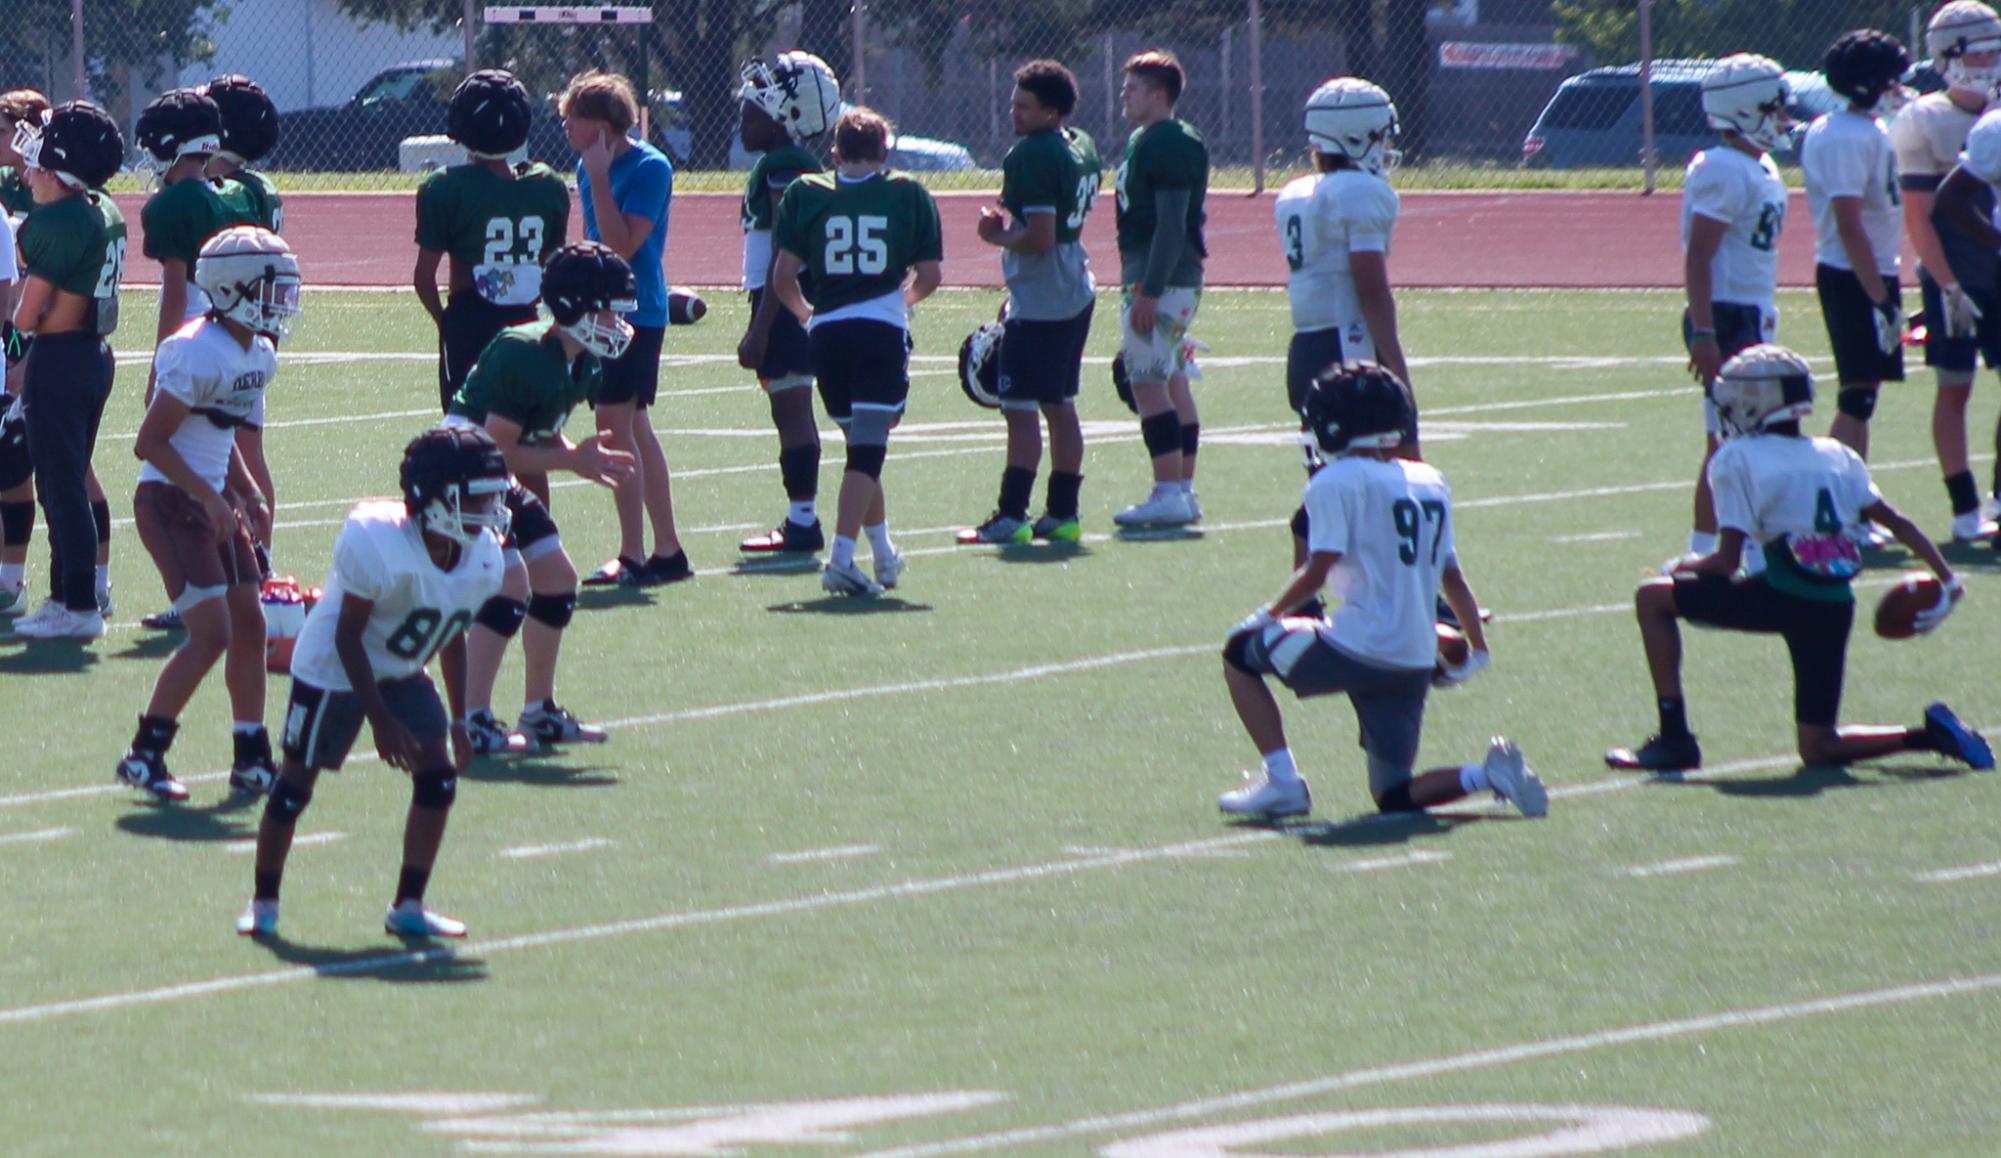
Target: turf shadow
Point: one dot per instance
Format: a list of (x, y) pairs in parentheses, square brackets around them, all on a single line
[(590, 598), (539, 772), (421, 961), (1040, 553), (802, 565), (230, 819), (156, 646), (1368, 830), (1158, 535), (1975, 555), (46, 657), (847, 605), (1804, 781)]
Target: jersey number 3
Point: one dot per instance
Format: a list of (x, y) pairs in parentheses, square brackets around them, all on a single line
[(1295, 243)]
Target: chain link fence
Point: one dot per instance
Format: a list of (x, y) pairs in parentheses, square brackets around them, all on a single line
[(1493, 93)]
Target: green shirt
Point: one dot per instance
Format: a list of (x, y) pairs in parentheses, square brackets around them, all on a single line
[(252, 200), (77, 244), (1055, 171), (522, 376), (857, 238), (774, 171), (178, 218), (16, 198), (1165, 156), (498, 227)]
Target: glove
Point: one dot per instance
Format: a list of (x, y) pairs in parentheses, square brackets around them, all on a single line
[(1256, 621), (1962, 316), (1889, 326), (1948, 598), (1452, 677)]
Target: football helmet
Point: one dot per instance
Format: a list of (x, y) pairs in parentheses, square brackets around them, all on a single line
[(1866, 67), (1747, 94), (1961, 29), (77, 141), (796, 89), (1760, 387), (1349, 117), (979, 365), (183, 122), (249, 119), (579, 282), (489, 114), (1357, 407), (455, 482), (250, 276)]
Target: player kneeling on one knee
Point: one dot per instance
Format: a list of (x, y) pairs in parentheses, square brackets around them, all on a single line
[(1800, 499), (1381, 531), (408, 579)]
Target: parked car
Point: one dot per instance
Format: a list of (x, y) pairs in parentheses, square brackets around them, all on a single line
[(1594, 118)]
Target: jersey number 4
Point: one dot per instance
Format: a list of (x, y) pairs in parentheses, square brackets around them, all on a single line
[(856, 245), (424, 632), (1411, 518), (502, 234)]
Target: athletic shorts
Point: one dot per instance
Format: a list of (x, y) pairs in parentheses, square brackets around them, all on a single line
[(788, 354), (321, 726), (1388, 702), (1040, 362), (1851, 328), (1738, 328), (470, 322), (180, 536), (531, 529), (634, 376), (1314, 352), (1815, 631), (861, 363), (1958, 354), (1162, 354)]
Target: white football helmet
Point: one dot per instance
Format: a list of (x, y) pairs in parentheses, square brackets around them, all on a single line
[(797, 90), (1962, 29), (250, 276), (1352, 118), (1762, 386), (1747, 94)]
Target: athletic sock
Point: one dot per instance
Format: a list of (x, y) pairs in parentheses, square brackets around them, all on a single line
[(844, 551), (1921, 740), (1017, 484), (1963, 491), (1062, 494), (878, 540), (100, 515), (1279, 768), (804, 512), (799, 468), (251, 742), (13, 574), (103, 576), (1473, 778), (155, 735), (1674, 716), (410, 884), (267, 885), (1702, 542)]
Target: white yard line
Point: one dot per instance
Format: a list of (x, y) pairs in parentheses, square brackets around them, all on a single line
[(839, 852), (1374, 864), (1966, 873), (1691, 864), (243, 847), (37, 836), (1597, 537), (531, 851)]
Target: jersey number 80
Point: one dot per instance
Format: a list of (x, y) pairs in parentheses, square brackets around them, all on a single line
[(424, 632)]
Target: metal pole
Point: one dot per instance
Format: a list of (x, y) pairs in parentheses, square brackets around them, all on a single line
[(857, 32), (1111, 91), (311, 96), (76, 48), (1224, 126), (1258, 96), (471, 34), (1647, 159)]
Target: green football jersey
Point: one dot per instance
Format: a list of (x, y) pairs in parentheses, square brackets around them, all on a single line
[(498, 227), (16, 199), (857, 238), (252, 200), (77, 244), (523, 377), (1055, 171), (1165, 156), (178, 218), (774, 170)]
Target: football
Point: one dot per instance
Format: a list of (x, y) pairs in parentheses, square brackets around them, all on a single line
[(1897, 613), (1452, 648)]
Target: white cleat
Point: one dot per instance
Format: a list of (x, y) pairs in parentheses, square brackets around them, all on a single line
[(1194, 506), (61, 623), (1512, 780), (888, 569), (1260, 796), (1973, 527), (411, 919), (104, 604), (1161, 509), (259, 920), (42, 611), (847, 579)]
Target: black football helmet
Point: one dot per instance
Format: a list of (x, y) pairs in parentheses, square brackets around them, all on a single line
[(1359, 407), (979, 365), (455, 482), (1864, 65), (489, 113), (184, 122), (77, 141), (583, 278), (249, 119), (1122, 382)]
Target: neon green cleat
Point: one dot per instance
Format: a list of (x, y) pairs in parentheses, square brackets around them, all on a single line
[(1058, 530)]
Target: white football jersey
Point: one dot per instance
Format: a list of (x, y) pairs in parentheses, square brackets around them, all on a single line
[(1391, 522), (1775, 486), (9, 270), (1982, 154), (380, 556), (1748, 196), (222, 383), (1322, 219), (1848, 154), (1929, 134)]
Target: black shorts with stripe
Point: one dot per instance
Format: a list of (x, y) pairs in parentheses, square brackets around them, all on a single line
[(321, 726)]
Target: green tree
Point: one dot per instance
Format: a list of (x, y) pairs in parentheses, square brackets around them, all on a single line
[(1794, 32), (121, 38)]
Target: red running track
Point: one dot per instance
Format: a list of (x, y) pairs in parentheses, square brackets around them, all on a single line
[(1551, 240)]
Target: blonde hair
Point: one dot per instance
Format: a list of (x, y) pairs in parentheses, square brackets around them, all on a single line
[(601, 96), (862, 134)]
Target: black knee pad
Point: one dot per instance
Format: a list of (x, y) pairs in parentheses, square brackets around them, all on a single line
[(1397, 800), (17, 523), (100, 514), (287, 801), (867, 460), (1236, 651), (1300, 524), (501, 615), (1161, 434), (434, 789), (1191, 437), (554, 610), (1859, 403)]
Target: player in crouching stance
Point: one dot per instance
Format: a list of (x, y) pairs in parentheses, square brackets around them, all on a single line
[(407, 580), (1381, 530), (1799, 498), (210, 378)]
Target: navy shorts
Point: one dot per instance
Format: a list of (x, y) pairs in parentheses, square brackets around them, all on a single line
[(1851, 328), (1958, 354), (788, 354), (861, 362), (1815, 631), (470, 322), (1738, 327), (321, 726), (634, 376), (1311, 354), (1040, 361), (1388, 702)]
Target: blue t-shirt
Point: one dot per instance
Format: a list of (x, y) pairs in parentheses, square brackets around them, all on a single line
[(642, 182)]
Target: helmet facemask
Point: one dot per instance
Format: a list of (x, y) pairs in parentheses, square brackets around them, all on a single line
[(267, 304), (606, 338), (28, 143)]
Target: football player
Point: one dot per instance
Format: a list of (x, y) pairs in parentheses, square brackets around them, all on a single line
[(17, 106), (17, 494), (1956, 273), (1733, 208), (521, 392), (786, 103), (1797, 497), (407, 580), (73, 253), (1382, 533), (1049, 182), (1161, 186), (497, 224), (189, 509), (180, 131), (852, 236), (625, 185), (1851, 185), (249, 131)]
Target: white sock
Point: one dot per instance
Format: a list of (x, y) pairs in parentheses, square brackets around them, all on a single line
[(1473, 778), (878, 540), (844, 551), (803, 513), (1702, 542), (13, 575), (1279, 768), (246, 727), (103, 576)]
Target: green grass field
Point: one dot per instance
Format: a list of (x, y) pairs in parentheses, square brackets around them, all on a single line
[(943, 873)]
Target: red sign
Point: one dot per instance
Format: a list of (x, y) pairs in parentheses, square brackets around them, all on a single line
[(1466, 54)]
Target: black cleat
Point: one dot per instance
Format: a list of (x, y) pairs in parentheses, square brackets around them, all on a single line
[(788, 538), (1659, 754), (662, 570), (620, 572)]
